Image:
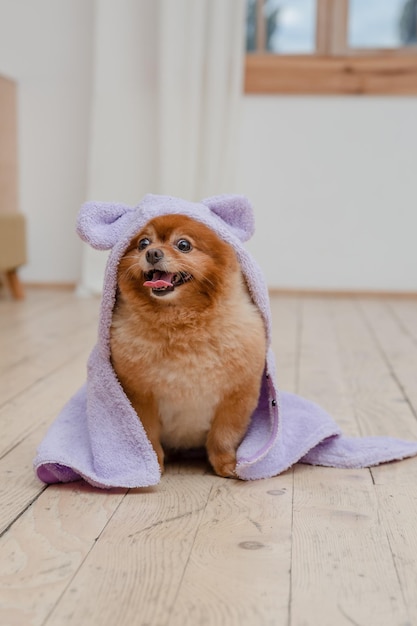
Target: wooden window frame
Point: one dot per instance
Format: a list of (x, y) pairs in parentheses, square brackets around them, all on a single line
[(334, 68)]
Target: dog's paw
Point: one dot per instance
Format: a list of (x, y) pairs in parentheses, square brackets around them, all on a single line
[(224, 465)]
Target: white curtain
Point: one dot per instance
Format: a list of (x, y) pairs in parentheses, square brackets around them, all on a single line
[(166, 102)]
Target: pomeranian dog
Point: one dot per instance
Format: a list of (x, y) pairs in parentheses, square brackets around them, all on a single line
[(187, 342)]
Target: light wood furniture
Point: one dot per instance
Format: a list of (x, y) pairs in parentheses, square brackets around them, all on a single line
[(314, 546), (12, 223)]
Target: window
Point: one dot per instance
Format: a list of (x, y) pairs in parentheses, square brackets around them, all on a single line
[(331, 46)]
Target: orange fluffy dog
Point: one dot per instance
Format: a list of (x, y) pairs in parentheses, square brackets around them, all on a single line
[(187, 342)]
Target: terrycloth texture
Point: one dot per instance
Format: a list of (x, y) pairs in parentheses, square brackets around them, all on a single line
[(98, 435)]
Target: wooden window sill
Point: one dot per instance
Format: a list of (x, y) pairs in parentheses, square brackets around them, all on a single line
[(382, 74)]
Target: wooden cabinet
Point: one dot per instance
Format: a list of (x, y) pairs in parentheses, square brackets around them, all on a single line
[(12, 223)]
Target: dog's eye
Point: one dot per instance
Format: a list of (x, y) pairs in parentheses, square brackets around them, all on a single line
[(143, 243), (184, 245)]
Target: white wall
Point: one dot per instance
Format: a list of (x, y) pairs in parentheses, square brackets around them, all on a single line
[(46, 46), (123, 116), (333, 182)]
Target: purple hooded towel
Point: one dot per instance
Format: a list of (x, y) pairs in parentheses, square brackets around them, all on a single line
[(98, 436)]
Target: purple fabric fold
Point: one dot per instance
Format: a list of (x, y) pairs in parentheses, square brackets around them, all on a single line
[(99, 437)]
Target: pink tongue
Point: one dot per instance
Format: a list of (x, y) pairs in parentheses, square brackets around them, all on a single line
[(157, 284), (162, 279)]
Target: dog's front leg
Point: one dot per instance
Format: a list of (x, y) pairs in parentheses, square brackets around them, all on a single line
[(229, 425), (147, 410)]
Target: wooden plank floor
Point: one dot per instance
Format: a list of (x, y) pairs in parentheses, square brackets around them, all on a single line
[(314, 546)]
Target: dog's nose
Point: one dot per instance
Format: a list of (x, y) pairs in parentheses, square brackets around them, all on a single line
[(153, 255)]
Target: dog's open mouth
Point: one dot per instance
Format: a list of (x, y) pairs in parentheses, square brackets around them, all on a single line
[(165, 282)]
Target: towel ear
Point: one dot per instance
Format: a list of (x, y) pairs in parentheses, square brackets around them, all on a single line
[(236, 211), (101, 224)]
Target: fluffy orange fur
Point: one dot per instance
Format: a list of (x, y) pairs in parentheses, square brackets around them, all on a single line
[(188, 346)]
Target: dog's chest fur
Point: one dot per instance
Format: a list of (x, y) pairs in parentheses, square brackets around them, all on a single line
[(187, 400)]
